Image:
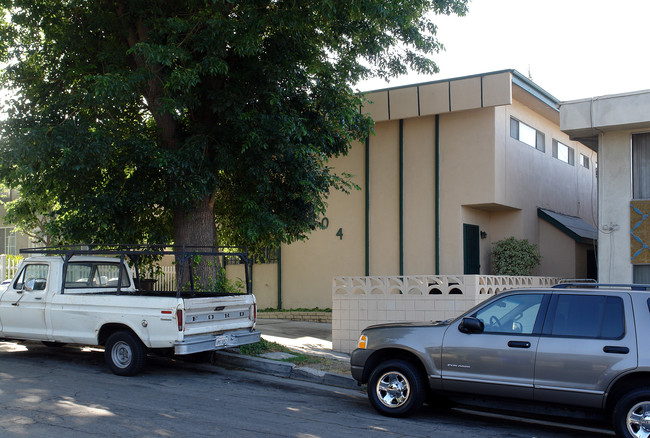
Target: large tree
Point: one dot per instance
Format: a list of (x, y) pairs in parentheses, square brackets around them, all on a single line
[(154, 120)]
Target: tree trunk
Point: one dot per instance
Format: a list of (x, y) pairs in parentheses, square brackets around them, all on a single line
[(194, 228)]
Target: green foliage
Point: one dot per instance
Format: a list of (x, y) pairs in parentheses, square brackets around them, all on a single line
[(15, 258), (513, 256), (128, 113), (214, 278), (261, 347)]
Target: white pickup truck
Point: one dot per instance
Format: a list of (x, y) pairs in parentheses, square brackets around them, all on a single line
[(89, 297)]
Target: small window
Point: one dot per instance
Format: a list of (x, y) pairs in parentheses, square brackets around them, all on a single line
[(563, 152), (511, 314), (527, 134), (641, 166), (641, 274), (584, 161), (7, 241), (33, 276), (589, 316)]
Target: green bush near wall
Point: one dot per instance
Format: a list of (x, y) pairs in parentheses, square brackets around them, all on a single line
[(513, 256)]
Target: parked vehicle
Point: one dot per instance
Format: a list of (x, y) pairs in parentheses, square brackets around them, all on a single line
[(89, 296), (578, 345)]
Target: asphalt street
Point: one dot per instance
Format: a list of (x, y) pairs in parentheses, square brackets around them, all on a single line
[(69, 392)]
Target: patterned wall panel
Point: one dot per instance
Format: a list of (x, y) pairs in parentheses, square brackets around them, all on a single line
[(640, 232)]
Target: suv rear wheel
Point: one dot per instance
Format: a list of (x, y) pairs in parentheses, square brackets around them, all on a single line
[(396, 388), (632, 414)]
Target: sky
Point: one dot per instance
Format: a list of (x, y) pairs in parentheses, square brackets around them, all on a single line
[(573, 49)]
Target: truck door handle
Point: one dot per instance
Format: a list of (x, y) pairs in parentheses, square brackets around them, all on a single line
[(616, 350), (519, 344)]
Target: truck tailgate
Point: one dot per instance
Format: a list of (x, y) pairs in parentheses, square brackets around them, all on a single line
[(218, 314)]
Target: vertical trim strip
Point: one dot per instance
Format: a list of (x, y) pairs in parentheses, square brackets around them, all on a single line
[(367, 225), (388, 100), (401, 197), (280, 276), (437, 194)]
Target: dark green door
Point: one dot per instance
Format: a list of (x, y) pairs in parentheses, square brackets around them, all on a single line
[(471, 253)]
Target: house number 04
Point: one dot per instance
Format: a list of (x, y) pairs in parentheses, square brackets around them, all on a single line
[(325, 222)]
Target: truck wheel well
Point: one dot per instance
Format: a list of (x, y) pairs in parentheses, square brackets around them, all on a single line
[(625, 384), (392, 353), (108, 329)]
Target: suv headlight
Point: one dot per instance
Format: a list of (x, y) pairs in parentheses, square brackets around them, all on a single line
[(363, 341)]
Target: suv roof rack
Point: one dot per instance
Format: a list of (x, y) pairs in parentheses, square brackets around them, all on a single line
[(642, 287)]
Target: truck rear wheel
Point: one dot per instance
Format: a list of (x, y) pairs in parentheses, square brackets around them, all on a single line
[(125, 354)]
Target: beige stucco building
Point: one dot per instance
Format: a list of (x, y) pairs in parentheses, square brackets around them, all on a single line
[(619, 127), (452, 167)]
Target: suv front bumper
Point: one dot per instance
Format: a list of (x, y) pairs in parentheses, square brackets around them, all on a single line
[(358, 359)]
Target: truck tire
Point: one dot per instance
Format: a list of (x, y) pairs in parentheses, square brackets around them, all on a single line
[(396, 388), (632, 414), (125, 354)]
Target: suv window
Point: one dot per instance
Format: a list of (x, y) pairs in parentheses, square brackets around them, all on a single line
[(511, 314), (588, 316)]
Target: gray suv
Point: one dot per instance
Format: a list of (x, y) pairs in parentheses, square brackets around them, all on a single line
[(575, 345)]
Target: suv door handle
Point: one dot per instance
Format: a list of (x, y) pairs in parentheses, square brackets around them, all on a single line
[(616, 350), (519, 344)]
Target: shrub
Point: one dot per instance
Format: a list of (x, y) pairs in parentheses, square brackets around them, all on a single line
[(513, 256)]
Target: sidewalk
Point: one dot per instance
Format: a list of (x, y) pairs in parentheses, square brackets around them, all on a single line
[(313, 338)]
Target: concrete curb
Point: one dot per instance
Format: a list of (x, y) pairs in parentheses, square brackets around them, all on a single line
[(283, 369)]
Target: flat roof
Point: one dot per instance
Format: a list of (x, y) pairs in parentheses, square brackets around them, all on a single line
[(584, 119)]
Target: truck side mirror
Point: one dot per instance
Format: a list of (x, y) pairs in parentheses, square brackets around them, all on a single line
[(29, 285), (471, 325)]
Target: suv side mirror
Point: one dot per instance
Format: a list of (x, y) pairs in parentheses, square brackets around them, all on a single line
[(471, 325)]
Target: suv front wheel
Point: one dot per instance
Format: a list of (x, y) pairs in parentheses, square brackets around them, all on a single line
[(396, 388), (632, 414)]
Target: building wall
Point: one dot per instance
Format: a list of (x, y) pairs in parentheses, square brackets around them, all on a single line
[(308, 266), (467, 176), (384, 199), (559, 253), (536, 179), (615, 189), (608, 122), (486, 178), (419, 195)]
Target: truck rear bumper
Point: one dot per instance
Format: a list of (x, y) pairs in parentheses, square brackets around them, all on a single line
[(197, 344)]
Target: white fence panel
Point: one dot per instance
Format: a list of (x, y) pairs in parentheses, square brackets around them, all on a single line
[(8, 266)]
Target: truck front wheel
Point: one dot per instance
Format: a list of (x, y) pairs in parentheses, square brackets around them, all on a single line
[(124, 353)]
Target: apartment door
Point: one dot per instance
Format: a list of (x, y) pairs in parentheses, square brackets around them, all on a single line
[(471, 250)]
